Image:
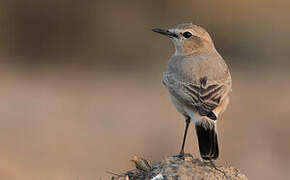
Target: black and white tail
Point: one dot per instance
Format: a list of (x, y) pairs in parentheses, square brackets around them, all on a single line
[(206, 131)]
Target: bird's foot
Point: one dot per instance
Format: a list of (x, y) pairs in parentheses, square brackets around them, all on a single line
[(181, 155)]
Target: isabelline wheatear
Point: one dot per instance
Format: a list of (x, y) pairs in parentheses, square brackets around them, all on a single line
[(198, 81)]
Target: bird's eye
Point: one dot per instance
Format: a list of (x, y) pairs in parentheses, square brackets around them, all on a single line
[(187, 34)]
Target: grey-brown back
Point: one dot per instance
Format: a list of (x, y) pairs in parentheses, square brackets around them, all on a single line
[(200, 81)]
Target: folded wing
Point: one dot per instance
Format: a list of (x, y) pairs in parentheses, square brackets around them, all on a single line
[(202, 97)]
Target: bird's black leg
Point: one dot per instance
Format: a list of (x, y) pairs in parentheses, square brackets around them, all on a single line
[(187, 121)]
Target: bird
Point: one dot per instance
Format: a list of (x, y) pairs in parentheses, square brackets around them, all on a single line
[(199, 82)]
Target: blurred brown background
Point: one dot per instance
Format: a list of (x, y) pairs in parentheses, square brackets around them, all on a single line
[(81, 93)]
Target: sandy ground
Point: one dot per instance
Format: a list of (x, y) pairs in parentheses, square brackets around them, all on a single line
[(76, 126)]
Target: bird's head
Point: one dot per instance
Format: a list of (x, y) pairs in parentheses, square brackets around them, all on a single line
[(188, 38)]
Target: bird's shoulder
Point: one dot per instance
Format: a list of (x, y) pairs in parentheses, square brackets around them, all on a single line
[(191, 69)]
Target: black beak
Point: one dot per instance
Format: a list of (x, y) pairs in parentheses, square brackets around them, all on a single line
[(165, 32)]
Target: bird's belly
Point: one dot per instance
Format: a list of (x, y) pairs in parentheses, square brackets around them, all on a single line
[(180, 107)]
